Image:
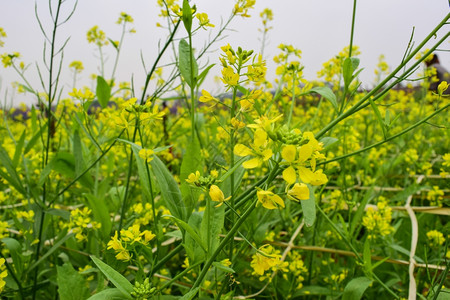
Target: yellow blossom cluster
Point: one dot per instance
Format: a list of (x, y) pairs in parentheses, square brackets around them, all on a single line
[(378, 221)]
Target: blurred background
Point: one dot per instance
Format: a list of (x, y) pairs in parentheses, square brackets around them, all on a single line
[(320, 29)]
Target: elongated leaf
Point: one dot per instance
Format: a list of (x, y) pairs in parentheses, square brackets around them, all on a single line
[(169, 189), (309, 208), (77, 153), (108, 294), (328, 141), (367, 258), (142, 171), (71, 284), (187, 16), (355, 289), (15, 249), (203, 74), (327, 93), (34, 139), (101, 214), (184, 63), (103, 92), (10, 175), (19, 148), (379, 118), (349, 67), (115, 277), (190, 295), (193, 249), (221, 267), (212, 225), (192, 162), (192, 232)]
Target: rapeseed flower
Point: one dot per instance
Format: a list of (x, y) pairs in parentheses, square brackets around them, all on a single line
[(435, 238), (299, 191), (259, 150), (269, 200), (229, 77), (217, 195)]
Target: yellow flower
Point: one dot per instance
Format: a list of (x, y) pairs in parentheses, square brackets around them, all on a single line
[(217, 195), (206, 97), (115, 243), (229, 77), (436, 238), (314, 178), (203, 20), (124, 17), (266, 257), (299, 191), (269, 200), (259, 150), (192, 178)]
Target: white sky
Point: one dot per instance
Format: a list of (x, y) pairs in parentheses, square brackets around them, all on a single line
[(319, 28)]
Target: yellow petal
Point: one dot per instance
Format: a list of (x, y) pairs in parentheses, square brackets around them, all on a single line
[(306, 175), (319, 178), (252, 163), (242, 150), (288, 153), (299, 191), (260, 138), (289, 175), (267, 154), (305, 152)]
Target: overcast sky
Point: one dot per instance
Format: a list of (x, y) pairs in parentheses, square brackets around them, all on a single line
[(320, 28)]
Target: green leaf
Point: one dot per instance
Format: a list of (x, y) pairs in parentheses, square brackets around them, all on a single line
[(328, 141), (184, 64), (192, 232), (108, 294), (309, 208), (64, 163), (142, 171), (379, 118), (355, 289), (203, 74), (187, 16), (192, 162), (115, 277), (349, 67), (367, 258), (15, 249), (10, 175), (170, 191), (78, 153), (18, 150), (34, 139), (221, 267), (327, 93), (103, 92), (71, 284), (101, 214), (190, 295), (212, 225)]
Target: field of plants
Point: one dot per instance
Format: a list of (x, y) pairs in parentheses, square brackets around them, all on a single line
[(291, 189)]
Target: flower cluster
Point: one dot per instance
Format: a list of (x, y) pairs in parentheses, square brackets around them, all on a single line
[(378, 221), (128, 240), (81, 222), (267, 258)]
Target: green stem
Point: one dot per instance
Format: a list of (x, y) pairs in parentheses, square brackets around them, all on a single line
[(353, 29), (48, 144), (293, 100)]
